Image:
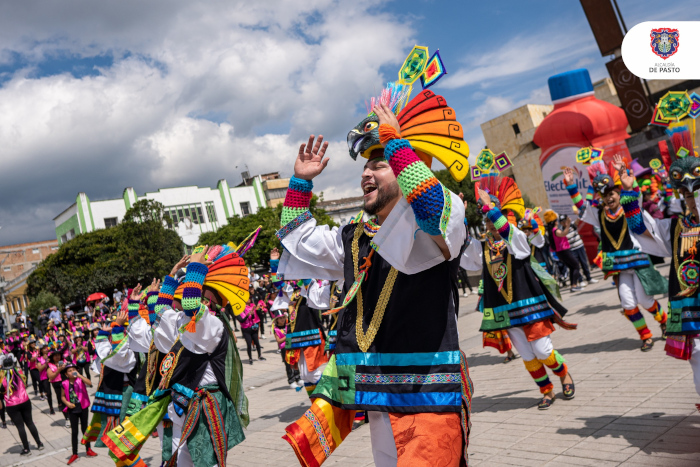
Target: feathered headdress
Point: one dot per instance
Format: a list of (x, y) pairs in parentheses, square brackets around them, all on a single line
[(228, 278), (426, 120), (601, 178), (504, 193)]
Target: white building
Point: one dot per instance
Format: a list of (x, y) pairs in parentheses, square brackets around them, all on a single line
[(194, 210)]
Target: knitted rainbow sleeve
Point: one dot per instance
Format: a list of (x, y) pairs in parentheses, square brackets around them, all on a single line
[(630, 203), (430, 201), (151, 300), (192, 293), (575, 195), (133, 309), (668, 193), (102, 335), (297, 200), (589, 194), (166, 294), (499, 221), (117, 336)]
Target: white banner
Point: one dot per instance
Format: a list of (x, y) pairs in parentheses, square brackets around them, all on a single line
[(553, 174), (663, 50)]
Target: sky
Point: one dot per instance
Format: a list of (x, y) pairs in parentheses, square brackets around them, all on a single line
[(99, 96)]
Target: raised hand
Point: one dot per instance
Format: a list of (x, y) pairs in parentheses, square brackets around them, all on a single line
[(310, 162), (484, 198), (136, 293), (275, 253), (155, 286), (122, 317), (201, 256), (386, 116), (568, 176), (184, 261), (626, 178)]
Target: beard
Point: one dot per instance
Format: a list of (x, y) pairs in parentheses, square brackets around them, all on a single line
[(385, 195)]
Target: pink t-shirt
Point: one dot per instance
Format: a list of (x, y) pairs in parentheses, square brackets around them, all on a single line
[(560, 243), (32, 364), (281, 334)]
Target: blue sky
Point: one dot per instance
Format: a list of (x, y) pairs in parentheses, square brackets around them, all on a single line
[(98, 96)]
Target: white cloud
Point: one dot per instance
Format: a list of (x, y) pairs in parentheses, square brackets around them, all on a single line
[(297, 67)]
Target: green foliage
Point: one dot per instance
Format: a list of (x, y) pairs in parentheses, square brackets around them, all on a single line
[(42, 301), (137, 250), (239, 228), (466, 187), (528, 203)]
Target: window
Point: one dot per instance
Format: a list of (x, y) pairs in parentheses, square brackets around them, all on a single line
[(516, 129), (192, 212), (64, 238), (276, 193), (35, 251), (7, 268), (110, 222), (54, 248), (34, 264), (245, 208), (211, 214)]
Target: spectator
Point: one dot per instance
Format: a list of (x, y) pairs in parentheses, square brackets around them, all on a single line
[(55, 316), (17, 402), (43, 322), (117, 296), (69, 313), (2, 327), (579, 252), (17, 325), (557, 239)]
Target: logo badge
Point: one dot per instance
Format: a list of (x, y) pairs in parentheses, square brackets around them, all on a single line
[(664, 42)]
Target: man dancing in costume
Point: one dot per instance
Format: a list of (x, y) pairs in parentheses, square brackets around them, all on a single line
[(515, 297), (397, 352), (636, 278), (678, 238)]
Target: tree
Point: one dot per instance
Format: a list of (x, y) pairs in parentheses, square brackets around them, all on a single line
[(239, 228), (466, 187), (42, 301), (137, 250)]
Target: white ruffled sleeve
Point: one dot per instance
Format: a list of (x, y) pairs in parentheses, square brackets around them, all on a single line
[(311, 251)]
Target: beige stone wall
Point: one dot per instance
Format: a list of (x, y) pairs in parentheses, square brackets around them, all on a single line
[(500, 136)]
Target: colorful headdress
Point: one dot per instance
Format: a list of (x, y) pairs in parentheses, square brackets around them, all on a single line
[(426, 120), (677, 111), (601, 178), (228, 278), (504, 193)]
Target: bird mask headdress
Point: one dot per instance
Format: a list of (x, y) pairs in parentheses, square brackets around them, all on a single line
[(426, 120)]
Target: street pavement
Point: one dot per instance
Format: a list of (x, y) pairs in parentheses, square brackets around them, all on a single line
[(631, 408)]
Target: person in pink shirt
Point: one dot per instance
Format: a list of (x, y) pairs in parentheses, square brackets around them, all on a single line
[(53, 371), (42, 364), (14, 391), (76, 400), (250, 324)]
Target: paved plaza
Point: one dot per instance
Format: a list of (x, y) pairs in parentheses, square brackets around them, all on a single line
[(631, 408)]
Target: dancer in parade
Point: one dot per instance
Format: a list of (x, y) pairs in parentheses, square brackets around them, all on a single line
[(398, 268), (677, 238), (77, 402), (516, 296), (637, 280)]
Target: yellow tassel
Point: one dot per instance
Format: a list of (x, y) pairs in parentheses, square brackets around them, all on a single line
[(192, 325)]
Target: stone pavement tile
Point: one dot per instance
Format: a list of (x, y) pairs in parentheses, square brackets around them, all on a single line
[(536, 447), (644, 459), (523, 458), (618, 456), (566, 460)]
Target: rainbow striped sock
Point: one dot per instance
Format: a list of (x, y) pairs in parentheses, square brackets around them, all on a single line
[(639, 323), (659, 313), (556, 363), (539, 374)]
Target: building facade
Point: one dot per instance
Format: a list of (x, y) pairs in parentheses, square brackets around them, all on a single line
[(193, 210), (16, 263), (342, 210), (274, 186)]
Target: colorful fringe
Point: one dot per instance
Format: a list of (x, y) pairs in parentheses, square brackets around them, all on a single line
[(319, 432), (431, 203), (556, 363), (633, 213), (539, 374), (659, 314), (204, 402), (575, 195), (297, 200), (680, 347), (499, 221), (639, 323)]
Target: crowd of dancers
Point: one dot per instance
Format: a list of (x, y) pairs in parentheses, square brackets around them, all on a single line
[(365, 315)]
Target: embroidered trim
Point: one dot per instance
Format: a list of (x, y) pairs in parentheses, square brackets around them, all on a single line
[(311, 417), (291, 226), (433, 378)]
